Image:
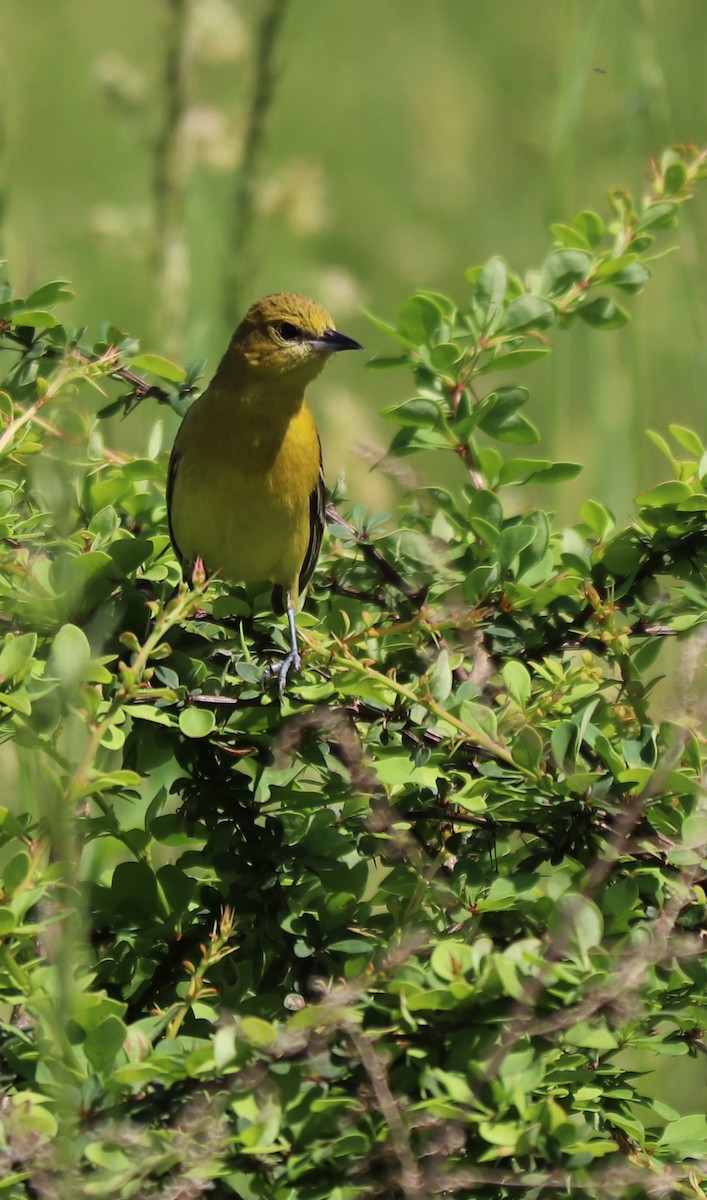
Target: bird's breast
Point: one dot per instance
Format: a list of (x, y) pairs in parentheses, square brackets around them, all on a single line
[(243, 483)]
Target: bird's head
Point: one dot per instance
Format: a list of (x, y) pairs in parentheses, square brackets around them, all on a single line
[(288, 334)]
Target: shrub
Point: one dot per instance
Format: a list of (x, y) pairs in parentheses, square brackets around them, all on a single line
[(396, 935)]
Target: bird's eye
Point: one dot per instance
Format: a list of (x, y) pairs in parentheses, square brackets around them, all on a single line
[(287, 331)]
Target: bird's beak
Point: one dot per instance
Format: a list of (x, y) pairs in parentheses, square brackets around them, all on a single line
[(332, 340)]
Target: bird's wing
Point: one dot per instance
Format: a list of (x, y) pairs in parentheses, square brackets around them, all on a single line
[(317, 518), (171, 478)]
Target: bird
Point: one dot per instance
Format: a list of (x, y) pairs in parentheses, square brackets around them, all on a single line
[(245, 483)]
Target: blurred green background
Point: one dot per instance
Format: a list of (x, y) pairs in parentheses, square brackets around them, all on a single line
[(404, 142)]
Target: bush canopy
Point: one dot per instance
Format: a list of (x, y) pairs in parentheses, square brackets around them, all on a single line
[(420, 928)]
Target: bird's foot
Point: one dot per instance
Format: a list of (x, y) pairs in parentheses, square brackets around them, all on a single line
[(282, 669)]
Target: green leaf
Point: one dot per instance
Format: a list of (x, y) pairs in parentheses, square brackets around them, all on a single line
[(104, 1043), (501, 1133), (408, 440), (527, 749), (562, 269), (479, 582), (593, 1035), (15, 872), (578, 920), (441, 679), (479, 716), (661, 214), (597, 517), (511, 541), (621, 556), (528, 312), (18, 701), (564, 744), (485, 505), (449, 960), (632, 278), (604, 313), (69, 656), (163, 368), (196, 722), (620, 898), (441, 302), (687, 1136), (591, 226), (382, 362), (258, 1032), (34, 317), (567, 235), (420, 320), (675, 177), (513, 360), (149, 712), (521, 470), (75, 578), (515, 429), (499, 415), (671, 492), (505, 401), (688, 439), (8, 922), (445, 357), (56, 291), (609, 755), (490, 290), (16, 654), (558, 472), (133, 891), (417, 412), (389, 330), (516, 680)]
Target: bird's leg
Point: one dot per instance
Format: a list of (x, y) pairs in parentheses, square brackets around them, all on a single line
[(292, 659)]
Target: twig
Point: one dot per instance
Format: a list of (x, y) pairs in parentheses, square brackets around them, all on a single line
[(657, 561), (375, 558), (140, 387), (411, 1179), (521, 1022)]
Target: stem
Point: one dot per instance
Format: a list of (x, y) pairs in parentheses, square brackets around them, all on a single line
[(131, 685), (477, 737), (262, 95), (212, 953), (169, 252), (62, 377), (468, 455)]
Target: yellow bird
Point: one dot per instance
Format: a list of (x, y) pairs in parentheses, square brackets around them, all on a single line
[(245, 489)]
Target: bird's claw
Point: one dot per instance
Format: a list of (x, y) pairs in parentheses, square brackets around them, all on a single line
[(282, 669)]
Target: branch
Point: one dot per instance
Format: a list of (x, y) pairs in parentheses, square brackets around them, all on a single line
[(140, 388), (657, 561), (375, 558)]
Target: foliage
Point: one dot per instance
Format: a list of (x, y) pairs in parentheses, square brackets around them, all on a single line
[(394, 936)]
